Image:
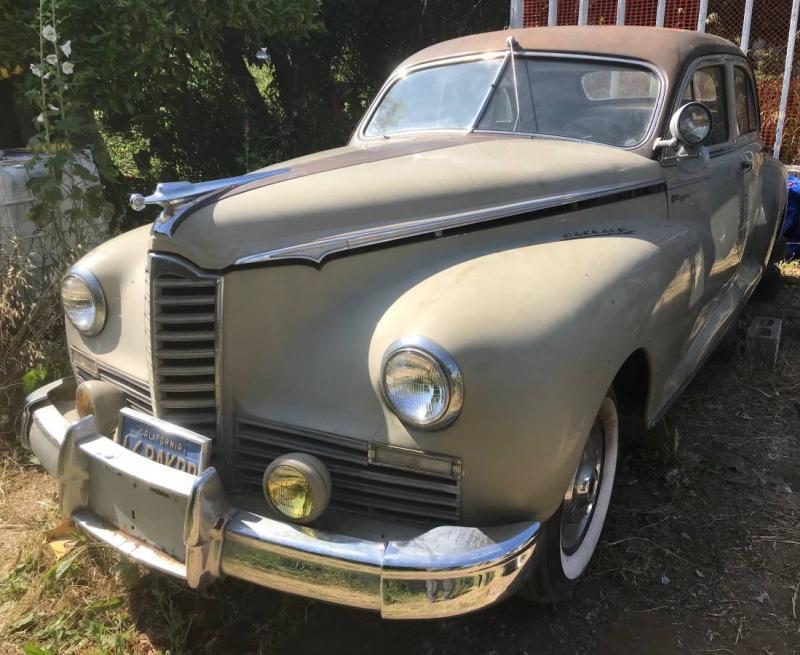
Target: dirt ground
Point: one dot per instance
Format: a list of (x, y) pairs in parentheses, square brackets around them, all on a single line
[(701, 554)]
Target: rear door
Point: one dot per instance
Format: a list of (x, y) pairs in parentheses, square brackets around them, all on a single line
[(750, 148)]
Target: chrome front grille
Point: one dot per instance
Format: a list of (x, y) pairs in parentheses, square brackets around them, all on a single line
[(358, 485), (183, 319)]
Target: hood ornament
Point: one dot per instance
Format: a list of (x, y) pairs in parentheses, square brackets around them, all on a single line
[(172, 194)]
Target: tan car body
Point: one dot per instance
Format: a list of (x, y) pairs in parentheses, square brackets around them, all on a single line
[(549, 269), (539, 322)]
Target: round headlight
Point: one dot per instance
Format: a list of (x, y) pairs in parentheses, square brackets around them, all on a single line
[(422, 383), (84, 302), (298, 486), (692, 123)]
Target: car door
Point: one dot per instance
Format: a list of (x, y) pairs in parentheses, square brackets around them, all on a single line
[(751, 152), (706, 193)]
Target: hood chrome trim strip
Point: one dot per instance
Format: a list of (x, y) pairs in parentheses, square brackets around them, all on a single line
[(317, 251)]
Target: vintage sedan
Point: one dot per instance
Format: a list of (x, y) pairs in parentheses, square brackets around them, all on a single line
[(397, 375)]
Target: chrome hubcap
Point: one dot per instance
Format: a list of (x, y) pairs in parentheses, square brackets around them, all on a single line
[(581, 497)]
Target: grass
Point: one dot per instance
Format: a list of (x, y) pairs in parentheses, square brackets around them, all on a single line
[(701, 553), (50, 605), (90, 600)]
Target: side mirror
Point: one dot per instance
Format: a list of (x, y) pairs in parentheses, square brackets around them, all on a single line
[(689, 127)]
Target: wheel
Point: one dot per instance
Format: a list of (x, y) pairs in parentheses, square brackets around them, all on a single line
[(770, 284), (571, 535)]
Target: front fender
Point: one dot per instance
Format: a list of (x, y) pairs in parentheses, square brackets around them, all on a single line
[(120, 265), (539, 333), (539, 324)]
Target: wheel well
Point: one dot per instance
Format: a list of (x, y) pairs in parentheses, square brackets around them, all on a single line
[(632, 388)]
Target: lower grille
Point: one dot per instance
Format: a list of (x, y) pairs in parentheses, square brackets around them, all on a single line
[(358, 486), (183, 318)]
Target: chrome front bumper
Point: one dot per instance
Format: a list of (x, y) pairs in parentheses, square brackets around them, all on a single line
[(183, 525)]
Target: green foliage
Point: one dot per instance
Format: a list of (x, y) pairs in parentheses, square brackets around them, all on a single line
[(69, 202), (34, 378), (15, 41), (326, 82), (159, 88), (172, 90)]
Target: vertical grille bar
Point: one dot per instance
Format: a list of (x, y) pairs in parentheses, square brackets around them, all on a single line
[(183, 331)]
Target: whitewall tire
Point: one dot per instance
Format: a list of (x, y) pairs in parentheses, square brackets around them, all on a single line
[(571, 535)]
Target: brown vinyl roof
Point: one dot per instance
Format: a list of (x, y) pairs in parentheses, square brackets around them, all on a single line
[(668, 49)]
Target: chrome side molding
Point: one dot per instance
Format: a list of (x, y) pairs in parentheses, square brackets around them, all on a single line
[(169, 194)]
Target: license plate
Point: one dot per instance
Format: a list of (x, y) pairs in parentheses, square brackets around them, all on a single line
[(163, 442)]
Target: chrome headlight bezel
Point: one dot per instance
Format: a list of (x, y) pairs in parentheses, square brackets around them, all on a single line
[(97, 296), (439, 357)]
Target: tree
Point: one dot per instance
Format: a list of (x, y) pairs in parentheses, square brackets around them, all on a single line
[(326, 79), (173, 90), (162, 83)]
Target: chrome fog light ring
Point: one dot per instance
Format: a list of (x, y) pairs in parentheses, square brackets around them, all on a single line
[(297, 486), (83, 301), (445, 384)]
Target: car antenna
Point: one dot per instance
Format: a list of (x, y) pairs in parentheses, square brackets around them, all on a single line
[(512, 46)]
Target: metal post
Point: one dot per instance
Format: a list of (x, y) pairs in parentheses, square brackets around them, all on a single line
[(583, 12), (748, 17), (787, 76), (516, 14), (701, 16), (660, 11), (552, 13), (620, 12)]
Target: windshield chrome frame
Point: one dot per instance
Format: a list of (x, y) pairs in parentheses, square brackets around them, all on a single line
[(505, 55)]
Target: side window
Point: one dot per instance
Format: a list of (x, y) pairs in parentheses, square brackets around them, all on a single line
[(752, 107), (746, 114), (708, 87)]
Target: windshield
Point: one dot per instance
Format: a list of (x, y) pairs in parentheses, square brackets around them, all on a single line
[(589, 100), (441, 98)]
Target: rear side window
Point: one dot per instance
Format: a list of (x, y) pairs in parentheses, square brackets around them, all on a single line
[(610, 84), (708, 87), (746, 114)]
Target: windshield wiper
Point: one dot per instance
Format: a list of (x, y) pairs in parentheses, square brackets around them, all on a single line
[(512, 46)]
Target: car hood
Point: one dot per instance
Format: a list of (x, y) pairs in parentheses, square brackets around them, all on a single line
[(344, 193)]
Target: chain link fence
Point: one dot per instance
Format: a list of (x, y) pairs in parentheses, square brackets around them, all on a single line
[(763, 27)]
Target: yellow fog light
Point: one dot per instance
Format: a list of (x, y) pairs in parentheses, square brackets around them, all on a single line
[(298, 486), (101, 400)]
